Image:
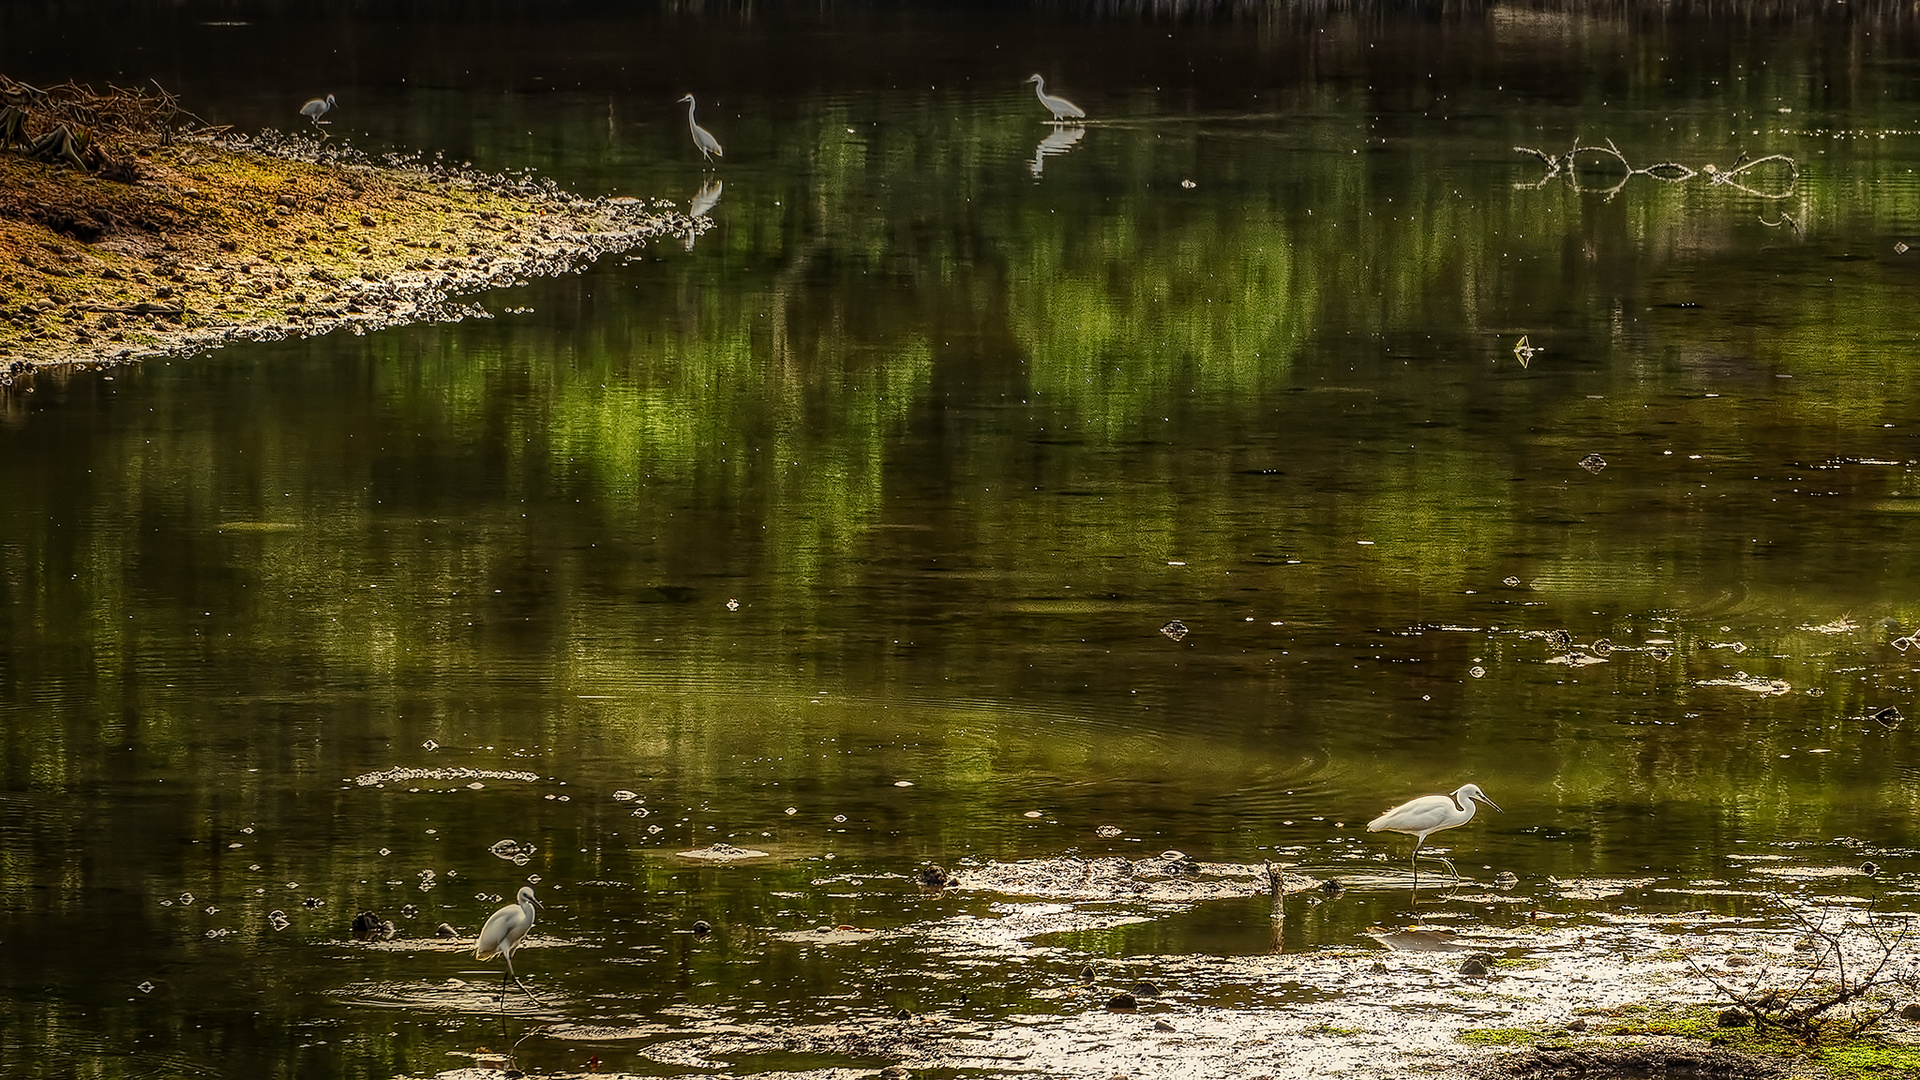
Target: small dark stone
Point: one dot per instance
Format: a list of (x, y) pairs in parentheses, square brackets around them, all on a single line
[(1332, 888), (1145, 989), (445, 931), (1162, 1025), (1578, 1023), (1910, 1011), (701, 928), (366, 221), (1732, 1018), (935, 877), (1123, 1001), (1087, 973), (902, 1015), (366, 925), (1477, 966)]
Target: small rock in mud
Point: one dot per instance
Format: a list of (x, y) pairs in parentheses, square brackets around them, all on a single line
[(1162, 1025), (1578, 1023), (1910, 1011), (894, 1072), (935, 877), (1122, 1001), (1733, 1018), (1145, 989), (1477, 966), (1087, 974), (902, 1015), (369, 926)]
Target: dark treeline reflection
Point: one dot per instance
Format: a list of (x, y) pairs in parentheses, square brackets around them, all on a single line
[(973, 484)]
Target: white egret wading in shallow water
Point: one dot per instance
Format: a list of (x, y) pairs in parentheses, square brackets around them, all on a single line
[(1060, 107), (702, 138), (1428, 814), (504, 932), (317, 108)]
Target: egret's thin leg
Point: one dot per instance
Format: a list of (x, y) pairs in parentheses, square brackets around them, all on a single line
[(518, 983)]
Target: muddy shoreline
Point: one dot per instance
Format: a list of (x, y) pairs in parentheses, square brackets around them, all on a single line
[(226, 238), (1553, 988)]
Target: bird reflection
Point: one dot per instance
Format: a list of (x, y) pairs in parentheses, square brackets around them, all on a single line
[(703, 201), (1053, 145)]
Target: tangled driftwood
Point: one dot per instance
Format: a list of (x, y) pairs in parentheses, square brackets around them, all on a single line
[(1671, 172), (71, 124)]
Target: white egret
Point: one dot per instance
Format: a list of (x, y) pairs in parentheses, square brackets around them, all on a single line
[(504, 932), (703, 139), (1428, 814), (317, 108), (1060, 107)]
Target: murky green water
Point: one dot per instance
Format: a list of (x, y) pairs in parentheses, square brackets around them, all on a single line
[(974, 484)]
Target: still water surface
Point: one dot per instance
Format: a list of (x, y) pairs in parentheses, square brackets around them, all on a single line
[(974, 484)]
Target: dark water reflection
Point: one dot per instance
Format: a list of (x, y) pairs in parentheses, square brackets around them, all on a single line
[(898, 478)]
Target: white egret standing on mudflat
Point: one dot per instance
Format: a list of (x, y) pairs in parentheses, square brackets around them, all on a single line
[(317, 108), (1428, 814), (504, 932)]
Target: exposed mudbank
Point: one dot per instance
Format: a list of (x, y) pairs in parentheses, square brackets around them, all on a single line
[(1589, 994), (220, 238)]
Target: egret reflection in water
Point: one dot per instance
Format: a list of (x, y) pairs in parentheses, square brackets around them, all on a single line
[(703, 201), (1054, 145), (705, 198)]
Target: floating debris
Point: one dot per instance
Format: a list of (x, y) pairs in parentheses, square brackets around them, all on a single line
[(623, 795), (1888, 717), (723, 853), (1114, 878), (1107, 832), (398, 775), (1524, 351), (1593, 463), (1753, 683), (1510, 581), (1175, 630), (1597, 888)]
